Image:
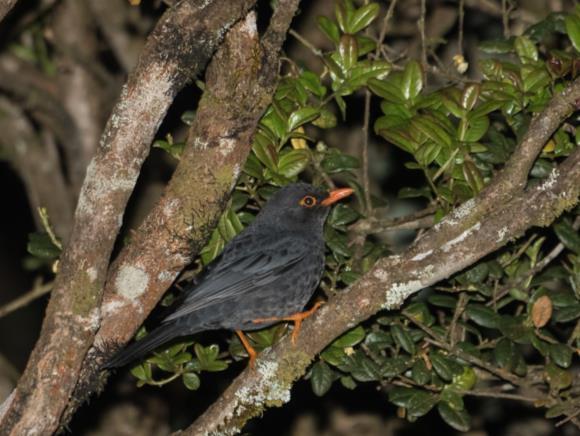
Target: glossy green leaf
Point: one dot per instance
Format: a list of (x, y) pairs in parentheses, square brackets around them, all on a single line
[(387, 90), (412, 82), (572, 22), (348, 51), (482, 315), (561, 354), (403, 339), (321, 378), (336, 161), (458, 419), (394, 366), (329, 28), (191, 381), (41, 246), (526, 49), (568, 236), (470, 96), (363, 17), (350, 338), (302, 116), (293, 162)]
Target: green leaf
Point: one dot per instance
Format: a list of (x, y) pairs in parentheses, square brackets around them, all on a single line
[(312, 83), (335, 162), (293, 162), (573, 30), (142, 372), (191, 381), (567, 235), (420, 373), (412, 82), (458, 419), (302, 116), (445, 367), (326, 120), (348, 52), (472, 176), (441, 300), (348, 382), (403, 339), (387, 90), (515, 328), (558, 378), (470, 96), (41, 246), (561, 354), (526, 49), (265, 151), (329, 28), (466, 380), (350, 338), (394, 366), (477, 127), (342, 215), (362, 17), (173, 148), (432, 130), (508, 356), (321, 378), (229, 225), (499, 46), (483, 315), (416, 401)]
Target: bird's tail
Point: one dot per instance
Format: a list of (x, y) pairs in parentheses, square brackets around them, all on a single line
[(162, 334)]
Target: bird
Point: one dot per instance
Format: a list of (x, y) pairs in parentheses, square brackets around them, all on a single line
[(264, 275)]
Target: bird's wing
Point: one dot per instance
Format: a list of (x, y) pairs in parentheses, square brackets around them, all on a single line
[(240, 271)]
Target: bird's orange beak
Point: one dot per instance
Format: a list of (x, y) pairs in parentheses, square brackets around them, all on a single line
[(336, 195)]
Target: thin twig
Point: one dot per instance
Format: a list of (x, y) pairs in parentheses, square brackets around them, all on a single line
[(494, 394), (46, 224), (423, 42), (365, 155), (422, 219), (385, 26), (461, 16), (505, 19), (37, 291), (306, 43)]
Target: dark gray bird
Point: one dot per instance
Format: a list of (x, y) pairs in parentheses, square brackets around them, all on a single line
[(266, 274)]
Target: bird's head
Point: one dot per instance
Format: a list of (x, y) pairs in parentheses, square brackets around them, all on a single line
[(300, 206)]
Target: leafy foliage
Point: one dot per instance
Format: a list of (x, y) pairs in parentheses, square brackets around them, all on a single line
[(514, 315)]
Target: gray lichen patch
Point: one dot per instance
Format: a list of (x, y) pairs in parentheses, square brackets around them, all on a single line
[(398, 293), (131, 282)]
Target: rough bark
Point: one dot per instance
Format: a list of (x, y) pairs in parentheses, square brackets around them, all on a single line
[(178, 48)]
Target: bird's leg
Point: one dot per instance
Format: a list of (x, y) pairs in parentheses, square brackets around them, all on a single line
[(249, 349), (296, 318)]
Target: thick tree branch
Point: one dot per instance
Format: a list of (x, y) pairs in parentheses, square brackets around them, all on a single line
[(457, 242), (240, 82), (179, 47), (5, 7), (79, 90)]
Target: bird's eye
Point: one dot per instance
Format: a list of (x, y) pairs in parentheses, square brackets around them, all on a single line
[(308, 201)]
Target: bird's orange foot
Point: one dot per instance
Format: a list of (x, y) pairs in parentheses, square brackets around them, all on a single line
[(296, 318), (249, 349)]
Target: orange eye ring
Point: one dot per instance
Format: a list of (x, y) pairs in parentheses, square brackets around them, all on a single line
[(308, 201)]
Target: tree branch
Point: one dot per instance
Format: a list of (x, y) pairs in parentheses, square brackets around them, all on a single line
[(240, 82), (178, 48), (461, 239)]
